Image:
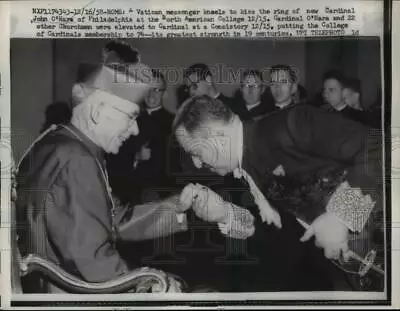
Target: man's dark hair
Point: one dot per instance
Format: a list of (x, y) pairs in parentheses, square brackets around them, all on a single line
[(119, 51), (251, 72), (196, 111), (337, 75), (202, 71), (353, 84), (287, 68)]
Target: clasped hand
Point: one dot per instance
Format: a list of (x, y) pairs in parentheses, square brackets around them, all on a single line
[(206, 204)]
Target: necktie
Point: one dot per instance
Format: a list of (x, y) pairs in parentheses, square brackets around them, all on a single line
[(267, 213)]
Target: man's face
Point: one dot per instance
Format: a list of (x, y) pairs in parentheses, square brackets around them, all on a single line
[(208, 150), (195, 86), (115, 120), (352, 98), (155, 96), (252, 88), (282, 88), (333, 92)]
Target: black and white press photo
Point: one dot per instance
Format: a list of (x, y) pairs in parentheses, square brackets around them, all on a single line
[(198, 165)]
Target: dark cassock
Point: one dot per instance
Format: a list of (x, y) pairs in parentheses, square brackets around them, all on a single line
[(366, 117), (126, 171), (223, 98), (155, 132), (299, 158), (372, 116)]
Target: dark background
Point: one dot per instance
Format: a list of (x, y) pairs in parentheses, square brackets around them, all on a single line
[(43, 70)]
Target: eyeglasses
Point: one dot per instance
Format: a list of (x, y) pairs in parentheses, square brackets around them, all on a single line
[(157, 90), (280, 81), (251, 86), (130, 116), (193, 85)]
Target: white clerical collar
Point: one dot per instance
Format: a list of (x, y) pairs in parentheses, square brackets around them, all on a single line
[(217, 95), (281, 106), (340, 108), (249, 107), (150, 110)]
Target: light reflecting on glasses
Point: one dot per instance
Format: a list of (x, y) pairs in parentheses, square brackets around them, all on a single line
[(280, 81), (251, 86), (130, 116), (193, 85), (157, 90)]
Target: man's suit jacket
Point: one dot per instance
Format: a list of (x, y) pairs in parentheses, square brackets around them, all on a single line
[(309, 142)]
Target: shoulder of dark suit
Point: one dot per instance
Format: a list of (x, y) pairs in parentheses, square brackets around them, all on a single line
[(278, 119)]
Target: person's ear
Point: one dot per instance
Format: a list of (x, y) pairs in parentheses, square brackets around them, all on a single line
[(357, 96), (294, 88), (344, 93), (78, 92), (95, 111)]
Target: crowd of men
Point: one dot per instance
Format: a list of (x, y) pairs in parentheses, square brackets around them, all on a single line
[(117, 178)]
